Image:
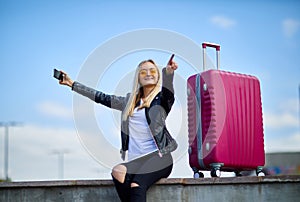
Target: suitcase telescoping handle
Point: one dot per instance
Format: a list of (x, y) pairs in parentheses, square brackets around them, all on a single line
[(212, 45)]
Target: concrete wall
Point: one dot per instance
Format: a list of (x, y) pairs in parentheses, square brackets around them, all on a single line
[(283, 159), (284, 163), (268, 188)]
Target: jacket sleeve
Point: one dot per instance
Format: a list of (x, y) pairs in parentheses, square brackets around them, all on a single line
[(111, 101), (167, 90)]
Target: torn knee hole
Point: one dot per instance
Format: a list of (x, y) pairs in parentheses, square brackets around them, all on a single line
[(119, 173), (119, 169), (134, 185)]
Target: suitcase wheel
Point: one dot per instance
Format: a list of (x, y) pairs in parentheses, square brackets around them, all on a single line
[(216, 169), (259, 171), (215, 172), (198, 175)]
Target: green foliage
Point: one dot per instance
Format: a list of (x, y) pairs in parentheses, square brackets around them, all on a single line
[(4, 180)]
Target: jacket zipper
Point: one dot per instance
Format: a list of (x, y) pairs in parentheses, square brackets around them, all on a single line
[(159, 153)]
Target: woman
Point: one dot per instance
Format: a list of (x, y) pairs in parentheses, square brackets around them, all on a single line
[(143, 130)]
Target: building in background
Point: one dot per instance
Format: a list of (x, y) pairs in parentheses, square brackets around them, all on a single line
[(285, 163)]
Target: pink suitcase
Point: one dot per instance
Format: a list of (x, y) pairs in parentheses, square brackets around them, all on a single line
[(224, 121)]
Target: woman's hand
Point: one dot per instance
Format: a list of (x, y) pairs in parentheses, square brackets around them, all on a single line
[(66, 80), (171, 67)]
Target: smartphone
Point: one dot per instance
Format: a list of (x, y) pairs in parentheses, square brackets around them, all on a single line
[(58, 75), (171, 58)]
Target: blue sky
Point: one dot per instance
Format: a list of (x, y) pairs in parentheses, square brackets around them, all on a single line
[(257, 38)]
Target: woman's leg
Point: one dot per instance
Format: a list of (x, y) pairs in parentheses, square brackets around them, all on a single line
[(122, 175), (133, 179), (122, 182), (143, 180)]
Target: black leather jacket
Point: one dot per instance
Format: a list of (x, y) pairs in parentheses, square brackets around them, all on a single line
[(156, 114)]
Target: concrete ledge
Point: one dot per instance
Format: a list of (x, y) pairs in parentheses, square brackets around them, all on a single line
[(267, 188), (168, 181)]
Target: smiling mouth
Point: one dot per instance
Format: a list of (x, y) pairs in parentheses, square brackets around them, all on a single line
[(149, 78)]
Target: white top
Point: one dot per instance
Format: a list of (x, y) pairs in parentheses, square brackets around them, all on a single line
[(141, 141)]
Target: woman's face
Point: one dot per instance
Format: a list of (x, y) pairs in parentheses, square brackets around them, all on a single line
[(148, 74)]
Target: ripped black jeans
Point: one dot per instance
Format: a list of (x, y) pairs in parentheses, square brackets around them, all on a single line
[(144, 171)]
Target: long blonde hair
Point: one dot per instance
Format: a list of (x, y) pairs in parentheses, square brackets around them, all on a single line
[(137, 91)]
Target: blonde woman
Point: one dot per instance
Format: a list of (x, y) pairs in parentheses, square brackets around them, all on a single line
[(143, 129)]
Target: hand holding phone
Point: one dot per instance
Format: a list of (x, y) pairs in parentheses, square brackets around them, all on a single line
[(58, 75)]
